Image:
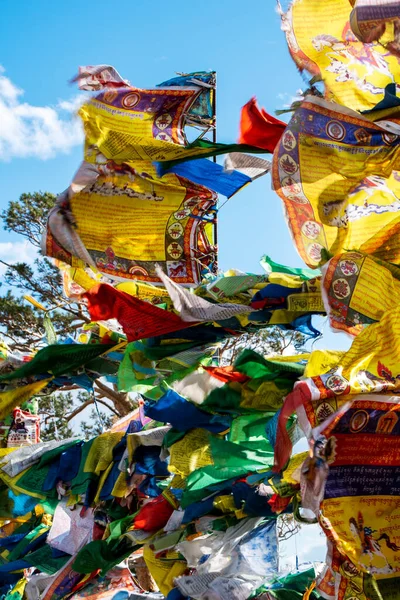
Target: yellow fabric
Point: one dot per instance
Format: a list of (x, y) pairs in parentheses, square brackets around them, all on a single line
[(292, 472), (163, 572), (12, 398), (226, 504), (128, 133), (267, 397), (359, 289), (100, 453), (380, 513), (120, 488), (322, 361), (321, 41), (12, 483), (102, 480), (123, 218), (376, 348), (343, 189), (190, 453)]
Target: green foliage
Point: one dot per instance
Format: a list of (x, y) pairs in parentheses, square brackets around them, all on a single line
[(27, 216), (96, 425)]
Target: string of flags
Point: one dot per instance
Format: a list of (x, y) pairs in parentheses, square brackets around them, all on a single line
[(186, 494)]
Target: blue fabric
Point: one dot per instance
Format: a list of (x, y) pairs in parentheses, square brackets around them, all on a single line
[(15, 565), (202, 106), (197, 510), (304, 325), (22, 503), (210, 174), (148, 462), (183, 415), (12, 540), (271, 428), (64, 468), (82, 380), (274, 290), (112, 477), (36, 543)]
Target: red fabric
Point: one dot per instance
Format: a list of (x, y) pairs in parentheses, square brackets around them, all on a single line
[(154, 515), (138, 318), (283, 445), (258, 128), (278, 504), (226, 374)]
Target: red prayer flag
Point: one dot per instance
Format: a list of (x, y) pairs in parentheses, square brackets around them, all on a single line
[(139, 319), (153, 515), (258, 128), (227, 374)]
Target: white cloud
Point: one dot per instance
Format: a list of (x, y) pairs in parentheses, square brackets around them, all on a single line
[(13, 252), (288, 99), (35, 131)]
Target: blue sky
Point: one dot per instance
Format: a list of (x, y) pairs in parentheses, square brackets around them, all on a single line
[(40, 140), (43, 43)]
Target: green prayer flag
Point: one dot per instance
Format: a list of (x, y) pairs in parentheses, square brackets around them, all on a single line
[(58, 359)]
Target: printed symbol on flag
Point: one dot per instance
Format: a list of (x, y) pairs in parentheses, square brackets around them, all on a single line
[(175, 250), (288, 140), (163, 137), (337, 384), (389, 138), (358, 421), (348, 267), (130, 100), (175, 230), (163, 121), (314, 252), (311, 229), (335, 130), (290, 186), (341, 288), (288, 165)]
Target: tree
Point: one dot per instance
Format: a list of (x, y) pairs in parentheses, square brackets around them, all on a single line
[(24, 326), (271, 340)]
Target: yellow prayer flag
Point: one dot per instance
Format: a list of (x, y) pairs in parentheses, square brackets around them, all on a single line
[(12, 398)]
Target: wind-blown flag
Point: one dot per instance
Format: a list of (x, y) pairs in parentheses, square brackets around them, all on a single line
[(258, 128), (99, 77), (139, 319), (223, 180), (202, 111), (195, 308)]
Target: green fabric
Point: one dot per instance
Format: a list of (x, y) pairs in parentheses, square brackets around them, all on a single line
[(230, 461), (257, 367), (207, 149), (102, 554), (251, 428), (289, 587), (272, 267), (43, 560), (103, 366), (34, 477), (18, 551), (172, 436), (80, 483), (58, 360), (224, 400), (138, 373), (6, 504), (119, 527)]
